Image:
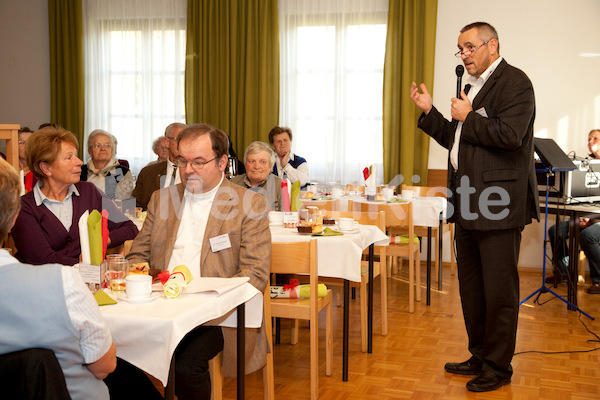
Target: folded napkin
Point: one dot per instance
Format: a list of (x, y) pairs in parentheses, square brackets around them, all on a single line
[(296, 203), (103, 299), (177, 280), (84, 238), (285, 195), (371, 176), (295, 291), (396, 200), (403, 239), (94, 225), (328, 232)]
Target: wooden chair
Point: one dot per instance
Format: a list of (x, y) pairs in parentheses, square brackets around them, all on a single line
[(216, 372), (355, 188), (436, 191), (399, 217), (380, 269), (301, 258)]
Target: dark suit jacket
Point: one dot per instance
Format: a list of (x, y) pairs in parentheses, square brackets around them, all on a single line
[(495, 153), (236, 211), (149, 180)]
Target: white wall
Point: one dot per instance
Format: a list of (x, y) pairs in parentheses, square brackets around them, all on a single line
[(25, 63), (543, 38)]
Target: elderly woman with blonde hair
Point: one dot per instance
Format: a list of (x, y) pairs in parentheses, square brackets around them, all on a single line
[(103, 170), (259, 159)]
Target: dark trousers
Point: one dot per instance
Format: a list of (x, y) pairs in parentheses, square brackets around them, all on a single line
[(489, 291), (192, 379)]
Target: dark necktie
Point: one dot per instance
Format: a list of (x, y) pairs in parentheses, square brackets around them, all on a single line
[(174, 174)]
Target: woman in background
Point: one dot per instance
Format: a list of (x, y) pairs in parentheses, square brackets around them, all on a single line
[(46, 230), (27, 177), (103, 170)]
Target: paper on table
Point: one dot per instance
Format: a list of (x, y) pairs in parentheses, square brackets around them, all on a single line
[(218, 285), (84, 239)]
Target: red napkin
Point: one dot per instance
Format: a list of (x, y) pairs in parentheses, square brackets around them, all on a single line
[(285, 195), (366, 173), (104, 232)]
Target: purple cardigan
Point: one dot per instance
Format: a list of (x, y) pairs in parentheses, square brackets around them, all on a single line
[(40, 238)]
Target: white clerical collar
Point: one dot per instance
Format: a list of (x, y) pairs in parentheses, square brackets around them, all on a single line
[(206, 195)]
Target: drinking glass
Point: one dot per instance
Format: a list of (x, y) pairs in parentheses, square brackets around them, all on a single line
[(116, 271)]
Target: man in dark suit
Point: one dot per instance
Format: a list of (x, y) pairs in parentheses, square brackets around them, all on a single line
[(493, 192), (161, 174)]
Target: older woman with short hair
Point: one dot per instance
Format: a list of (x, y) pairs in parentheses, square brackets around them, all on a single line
[(103, 170), (259, 159), (46, 230)]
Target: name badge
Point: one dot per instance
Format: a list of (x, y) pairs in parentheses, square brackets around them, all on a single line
[(219, 243)]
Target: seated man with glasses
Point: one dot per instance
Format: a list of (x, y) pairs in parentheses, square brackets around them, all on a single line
[(216, 229), (161, 174)]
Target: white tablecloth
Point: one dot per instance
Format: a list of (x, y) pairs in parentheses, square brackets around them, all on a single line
[(426, 210), (338, 256), (147, 334)]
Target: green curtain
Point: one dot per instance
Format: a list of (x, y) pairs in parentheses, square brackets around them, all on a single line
[(232, 67), (409, 56), (67, 66)]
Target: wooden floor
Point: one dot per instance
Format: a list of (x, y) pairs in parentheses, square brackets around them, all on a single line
[(408, 363)]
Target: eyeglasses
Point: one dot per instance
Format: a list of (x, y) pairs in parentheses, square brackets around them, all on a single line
[(101, 145), (182, 163), (470, 50)]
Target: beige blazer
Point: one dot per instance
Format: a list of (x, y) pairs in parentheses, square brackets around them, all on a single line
[(242, 215)]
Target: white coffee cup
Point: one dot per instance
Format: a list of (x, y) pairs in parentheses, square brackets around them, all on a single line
[(337, 192), (138, 286), (347, 224), (276, 218), (387, 193), (408, 194)]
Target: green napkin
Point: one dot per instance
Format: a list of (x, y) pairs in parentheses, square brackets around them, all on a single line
[(304, 292), (328, 232), (95, 233), (103, 299), (396, 200), (296, 203), (403, 239)]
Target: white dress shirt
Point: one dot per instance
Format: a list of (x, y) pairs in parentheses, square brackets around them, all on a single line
[(63, 210), (194, 218), (168, 177), (476, 85)]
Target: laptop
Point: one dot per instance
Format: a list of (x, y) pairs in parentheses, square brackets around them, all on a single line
[(581, 185)]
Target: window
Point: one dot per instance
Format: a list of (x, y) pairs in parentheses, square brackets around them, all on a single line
[(332, 87), (135, 71)]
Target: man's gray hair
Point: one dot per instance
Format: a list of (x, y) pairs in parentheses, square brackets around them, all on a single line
[(259, 147), (172, 126), (485, 30)]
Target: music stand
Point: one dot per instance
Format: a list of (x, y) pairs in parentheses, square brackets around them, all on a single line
[(554, 160)]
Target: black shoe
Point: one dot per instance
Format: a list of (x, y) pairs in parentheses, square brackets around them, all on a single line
[(594, 289), (470, 367), (551, 280), (487, 381)]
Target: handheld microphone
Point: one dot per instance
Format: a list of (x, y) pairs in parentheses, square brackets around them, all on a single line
[(460, 70)]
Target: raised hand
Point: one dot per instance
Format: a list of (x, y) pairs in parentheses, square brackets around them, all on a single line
[(422, 100)]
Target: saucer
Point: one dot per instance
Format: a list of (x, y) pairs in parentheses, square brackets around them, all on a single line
[(140, 300), (353, 230)]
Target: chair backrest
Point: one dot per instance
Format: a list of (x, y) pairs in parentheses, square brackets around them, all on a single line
[(428, 191), (355, 188), (298, 258), (325, 205)]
